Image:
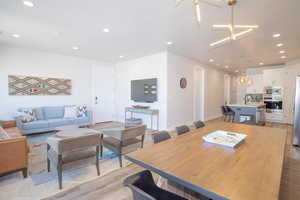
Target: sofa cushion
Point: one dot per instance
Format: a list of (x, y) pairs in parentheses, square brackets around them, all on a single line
[(58, 122), (53, 112), (36, 124), (70, 112), (39, 113)]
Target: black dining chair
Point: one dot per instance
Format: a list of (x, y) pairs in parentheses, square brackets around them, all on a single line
[(228, 114), (182, 129), (143, 187), (199, 124), (160, 136)]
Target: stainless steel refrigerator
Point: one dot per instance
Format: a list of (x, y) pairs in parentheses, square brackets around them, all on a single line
[(296, 139)]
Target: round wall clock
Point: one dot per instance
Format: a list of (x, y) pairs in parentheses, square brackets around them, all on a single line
[(183, 83)]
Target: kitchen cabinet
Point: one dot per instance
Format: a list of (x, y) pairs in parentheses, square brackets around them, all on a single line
[(273, 77), (257, 85)]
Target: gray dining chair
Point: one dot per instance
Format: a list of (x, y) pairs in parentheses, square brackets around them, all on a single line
[(160, 136), (65, 153), (120, 140), (199, 124), (143, 187), (182, 129)]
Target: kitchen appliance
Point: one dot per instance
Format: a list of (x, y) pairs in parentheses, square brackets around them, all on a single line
[(296, 137), (273, 91), (273, 106), (273, 99)]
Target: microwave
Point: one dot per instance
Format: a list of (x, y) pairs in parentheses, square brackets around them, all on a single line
[(273, 91)]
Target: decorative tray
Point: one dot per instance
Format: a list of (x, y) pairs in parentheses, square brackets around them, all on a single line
[(225, 138)]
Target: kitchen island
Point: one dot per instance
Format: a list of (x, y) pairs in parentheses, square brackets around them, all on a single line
[(249, 113)]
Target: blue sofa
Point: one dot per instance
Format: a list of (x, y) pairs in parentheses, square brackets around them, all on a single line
[(49, 118)]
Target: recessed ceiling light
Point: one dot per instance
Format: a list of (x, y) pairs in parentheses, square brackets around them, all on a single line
[(15, 35), (283, 57), (280, 45), (211, 60), (281, 52), (276, 35), (75, 48), (106, 30), (261, 63), (121, 56), (226, 66), (28, 3), (169, 43)]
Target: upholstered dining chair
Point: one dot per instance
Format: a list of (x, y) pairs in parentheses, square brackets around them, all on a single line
[(123, 140), (199, 124), (182, 129), (160, 136), (227, 113), (68, 152), (143, 187)]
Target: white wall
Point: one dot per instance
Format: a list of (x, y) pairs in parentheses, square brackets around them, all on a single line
[(154, 66), (181, 107), (17, 61), (214, 93)]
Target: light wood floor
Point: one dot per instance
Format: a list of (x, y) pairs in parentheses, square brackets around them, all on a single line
[(110, 186)]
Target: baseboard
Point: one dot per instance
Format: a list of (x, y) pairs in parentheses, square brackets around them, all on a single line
[(213, 117)]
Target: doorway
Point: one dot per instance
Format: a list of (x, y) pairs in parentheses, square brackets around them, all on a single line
[(226, 89), (199, 88), (103, 93)]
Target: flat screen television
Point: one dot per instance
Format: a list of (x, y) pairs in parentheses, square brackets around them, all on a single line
[(144, 90)]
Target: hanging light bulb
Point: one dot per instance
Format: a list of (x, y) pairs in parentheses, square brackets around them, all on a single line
[(197, 7)]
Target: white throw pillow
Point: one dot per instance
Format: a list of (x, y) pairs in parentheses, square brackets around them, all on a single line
[(70, 112)]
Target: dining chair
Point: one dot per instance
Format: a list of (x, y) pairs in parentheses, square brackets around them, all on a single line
[(143, 187), (160, 136), (227, 113), (120, 140), (199, 124), (182, 129), (66, 153)]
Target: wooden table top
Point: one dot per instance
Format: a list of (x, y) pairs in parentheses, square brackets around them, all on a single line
[(251, 171)]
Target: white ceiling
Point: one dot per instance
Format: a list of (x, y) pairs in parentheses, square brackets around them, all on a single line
[(141, 27)]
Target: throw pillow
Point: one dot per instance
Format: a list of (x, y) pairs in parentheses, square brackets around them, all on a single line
[(28, 115), (81, 111), (70, 112)]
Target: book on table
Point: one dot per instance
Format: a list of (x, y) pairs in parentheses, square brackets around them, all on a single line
[(225, 138)]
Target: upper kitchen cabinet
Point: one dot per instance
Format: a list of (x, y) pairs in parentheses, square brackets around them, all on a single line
[(273, 77), (257, 85)]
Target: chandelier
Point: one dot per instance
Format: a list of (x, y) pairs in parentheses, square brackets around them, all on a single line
[(235, 31), (197, 6), (244, 80)]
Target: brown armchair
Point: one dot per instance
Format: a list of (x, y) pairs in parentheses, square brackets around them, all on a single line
[(14, 152), (123, 141), (69, 152)]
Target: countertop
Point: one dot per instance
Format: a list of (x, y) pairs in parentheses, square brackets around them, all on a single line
[(247, 105)]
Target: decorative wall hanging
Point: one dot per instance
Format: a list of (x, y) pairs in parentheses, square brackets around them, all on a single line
[(38, 86), (183, 83)]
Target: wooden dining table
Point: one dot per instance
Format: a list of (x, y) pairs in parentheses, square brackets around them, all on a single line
[(251, 171)]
